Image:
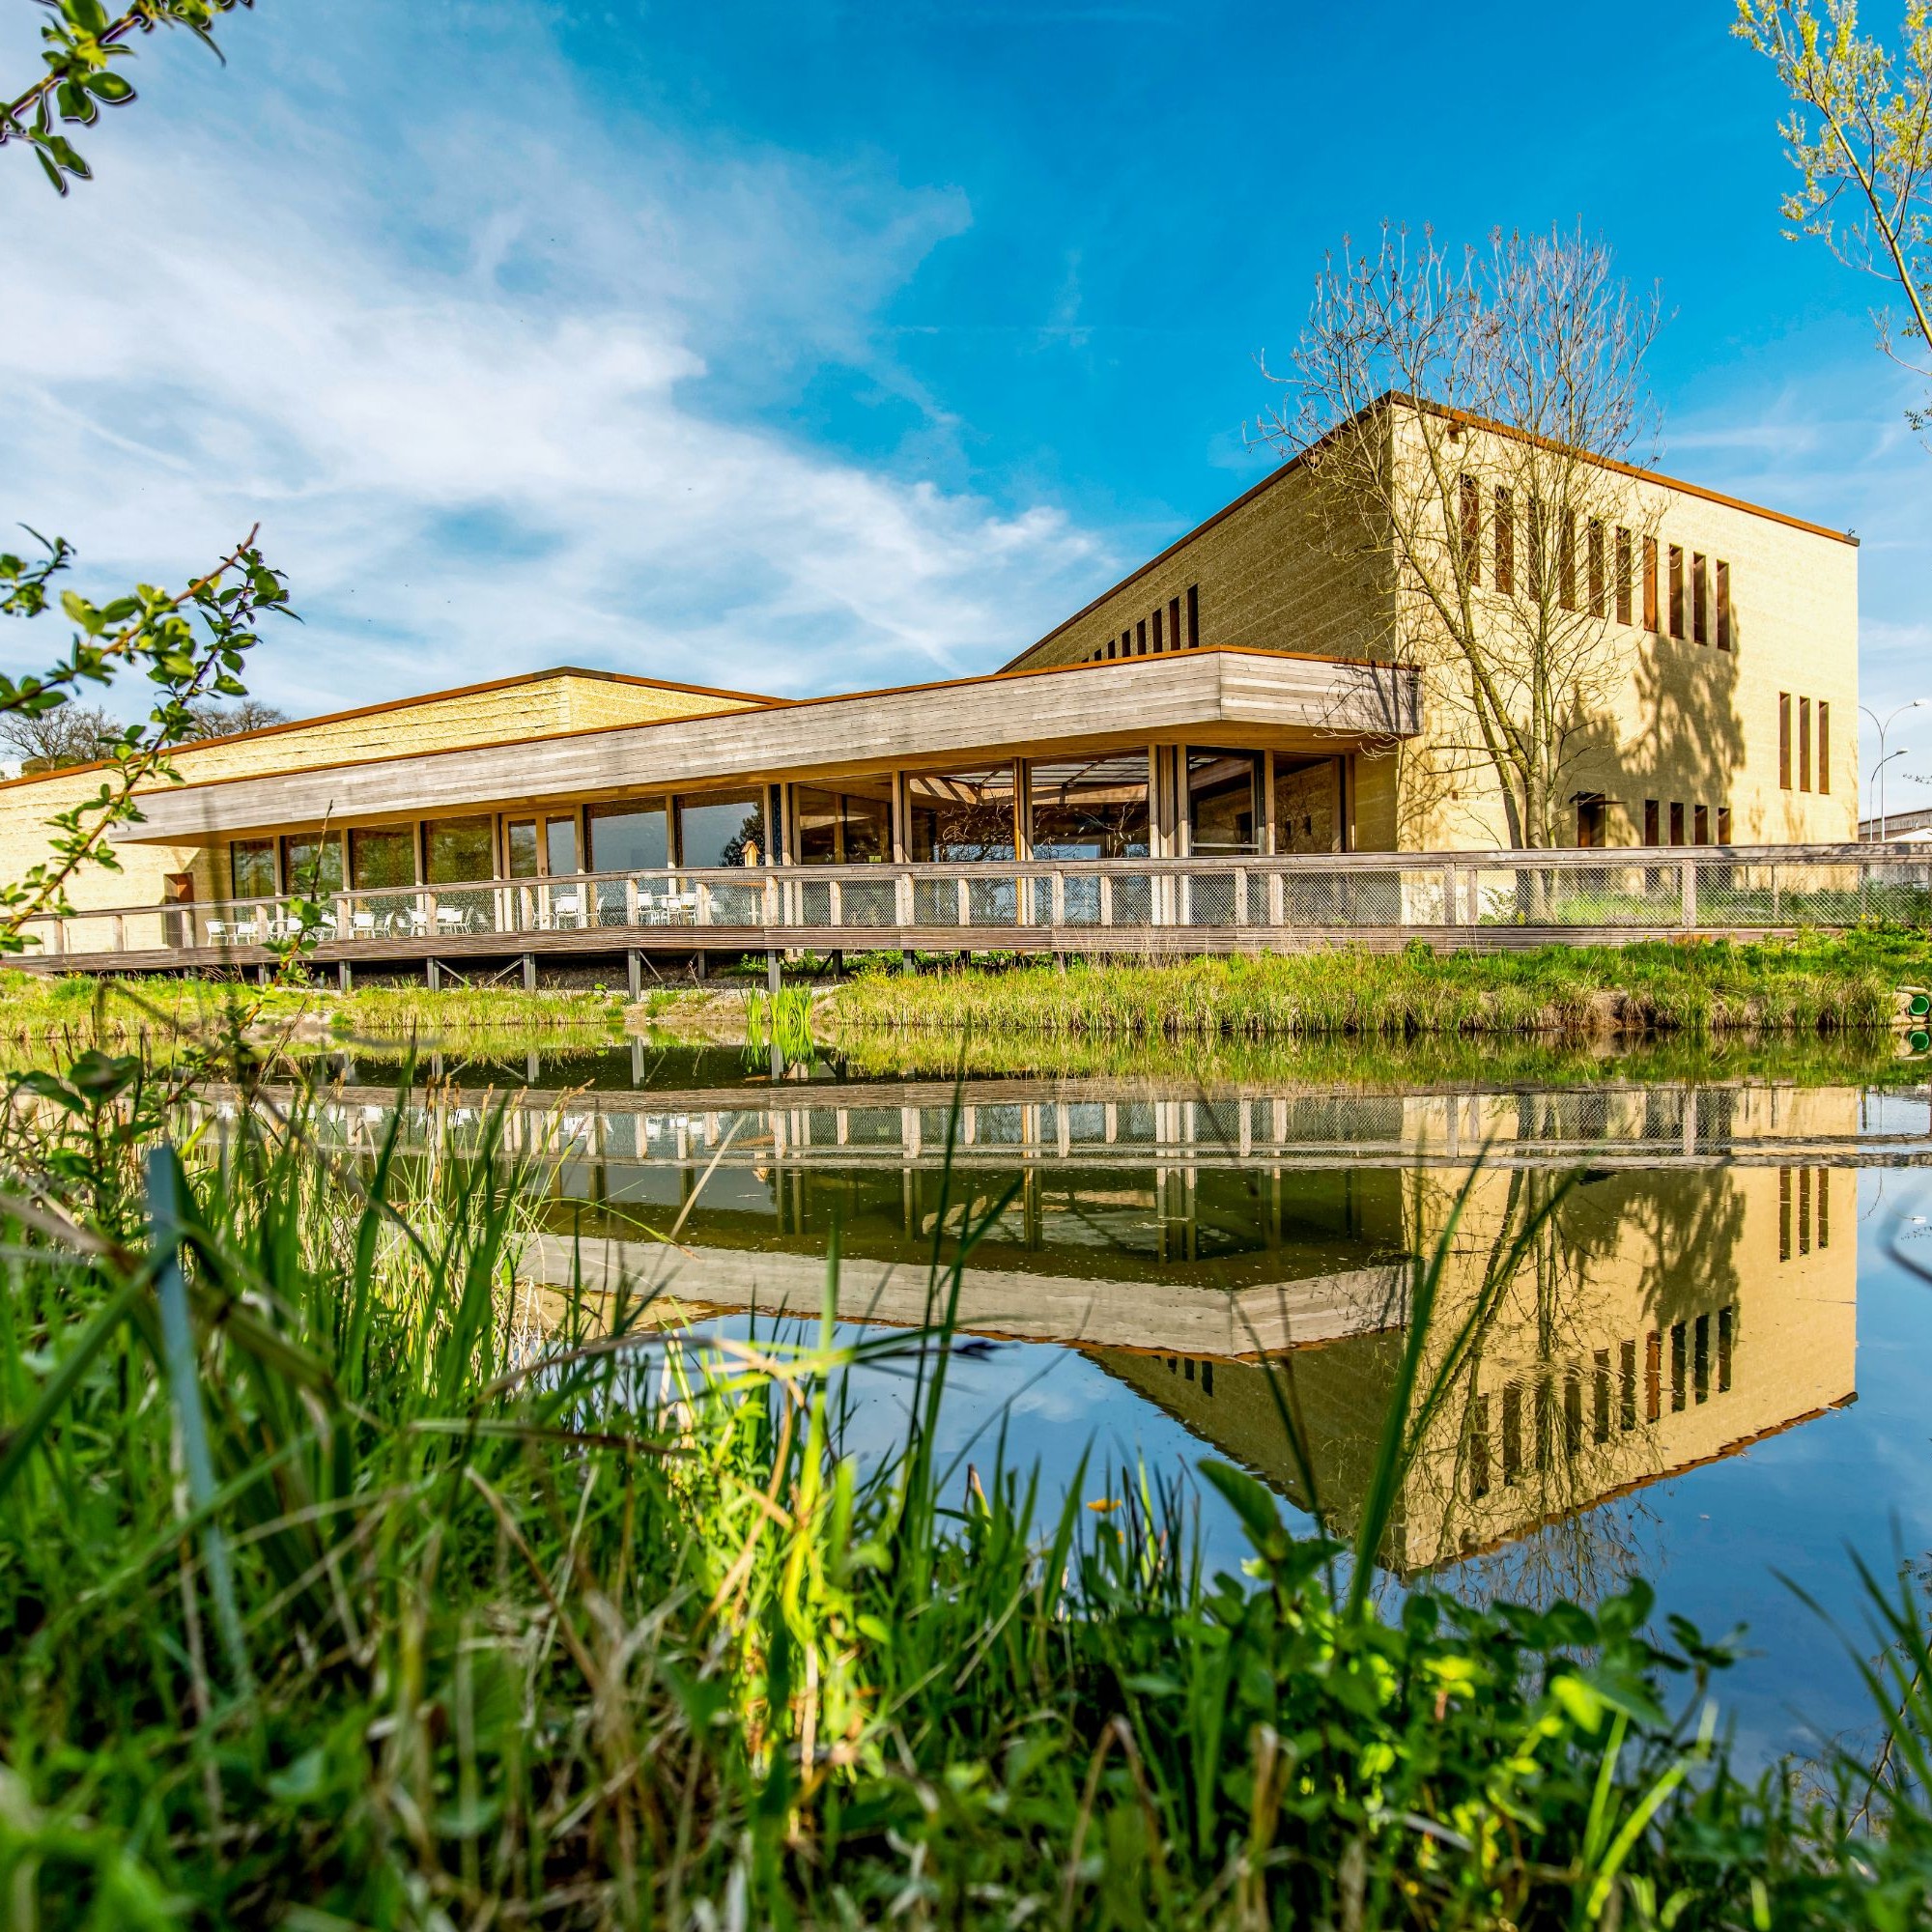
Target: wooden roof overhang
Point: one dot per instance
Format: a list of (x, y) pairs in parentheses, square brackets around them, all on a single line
[(1255, 698)]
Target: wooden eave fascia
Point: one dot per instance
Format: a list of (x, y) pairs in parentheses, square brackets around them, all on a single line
[(1003, 714)]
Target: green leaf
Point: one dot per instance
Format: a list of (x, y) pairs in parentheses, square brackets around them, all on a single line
[(110, 87), (1250, 1501)]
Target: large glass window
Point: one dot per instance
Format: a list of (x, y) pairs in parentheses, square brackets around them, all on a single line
[(629, 836), (459, 850), (720, 829), (1307, 805), (1222, 790), (962, 818), (382, 855), (251, 863), (312, 864), (560, 847), (850, 827), (520, 848), (1090, 807)]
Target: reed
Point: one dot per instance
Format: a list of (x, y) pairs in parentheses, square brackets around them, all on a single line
[(471, 1610), (1843, 983)]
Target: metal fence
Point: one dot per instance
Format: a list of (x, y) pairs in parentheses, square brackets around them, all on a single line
[(1069, 904)]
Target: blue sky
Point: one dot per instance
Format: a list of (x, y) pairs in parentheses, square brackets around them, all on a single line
[(799, 347)]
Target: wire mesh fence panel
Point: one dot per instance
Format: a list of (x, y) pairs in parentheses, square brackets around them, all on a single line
[(1080, 899), (741, 902), (812, 903), (935, 903), (993, 901), (1342, 899), (456, 911), (869, 902), (1207, 899), (1130, 900)]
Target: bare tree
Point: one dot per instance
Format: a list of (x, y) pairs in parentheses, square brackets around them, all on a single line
[(1865, 166), (1455, 418), (69, 734), (230, 721)]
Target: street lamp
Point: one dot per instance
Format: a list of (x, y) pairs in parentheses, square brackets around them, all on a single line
[(1885, 725)]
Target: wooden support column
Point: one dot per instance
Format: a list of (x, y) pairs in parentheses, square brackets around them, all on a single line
[(529, 972), (433, 971), (634, 962), (774, 971), (345, 977)]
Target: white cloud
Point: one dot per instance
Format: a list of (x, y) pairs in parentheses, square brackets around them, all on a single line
[(497, 401)]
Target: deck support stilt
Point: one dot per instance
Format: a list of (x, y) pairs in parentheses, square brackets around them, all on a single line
[(774, 971), (529, 972), (433, 971), (634, 961), (345, 977), (700, 965)]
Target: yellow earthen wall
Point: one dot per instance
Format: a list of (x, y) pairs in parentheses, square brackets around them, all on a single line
[(1684, 722)]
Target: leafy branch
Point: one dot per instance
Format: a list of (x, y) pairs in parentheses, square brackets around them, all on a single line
[(1871, 146), (81, 45), (191, 644)]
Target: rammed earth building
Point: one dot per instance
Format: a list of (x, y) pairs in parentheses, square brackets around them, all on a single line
[(1252, 689)]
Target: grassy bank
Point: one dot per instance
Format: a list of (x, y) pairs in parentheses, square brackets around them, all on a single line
[(1373, 1063), (1820, 984), (342, 1590), (35, 1008)]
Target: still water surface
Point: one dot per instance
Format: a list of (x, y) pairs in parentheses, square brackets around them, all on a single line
[(1710, 1363)]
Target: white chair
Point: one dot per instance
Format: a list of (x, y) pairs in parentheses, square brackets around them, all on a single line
[(362, 926), (566, 909), (687, 908), (452, 918), (646, 909)]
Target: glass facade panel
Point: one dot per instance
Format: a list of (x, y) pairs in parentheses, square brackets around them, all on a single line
[(853, 827), (313, 865), (384, 855), (720, 829), (1090, 807), (1222, 789), (629, 836), (560, 847), (520, 848), (1307, 805), (459, 850), (251, 864), (962, 818)]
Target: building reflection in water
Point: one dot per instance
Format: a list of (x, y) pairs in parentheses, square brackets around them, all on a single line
[(1689, 1288)]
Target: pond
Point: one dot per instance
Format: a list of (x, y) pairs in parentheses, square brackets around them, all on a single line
[(1701, 1330)]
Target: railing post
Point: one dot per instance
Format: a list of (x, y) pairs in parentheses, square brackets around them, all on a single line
[(905, 909), (1275, 898), (965, 901), (631, 900), (1688, 874), (1449, 896), (834, 901), (1106, 898), (1240, 896), (703, 902), (774, 902), (1059, 908)]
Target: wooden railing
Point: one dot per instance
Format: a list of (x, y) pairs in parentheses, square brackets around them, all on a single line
[(1674, 888)]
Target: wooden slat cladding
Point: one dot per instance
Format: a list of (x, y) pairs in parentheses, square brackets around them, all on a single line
[(1004, 715)]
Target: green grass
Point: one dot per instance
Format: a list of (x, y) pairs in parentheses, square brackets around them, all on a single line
[(1814, 984), (36, 1009), (481, 1614), (1375, 1063)]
